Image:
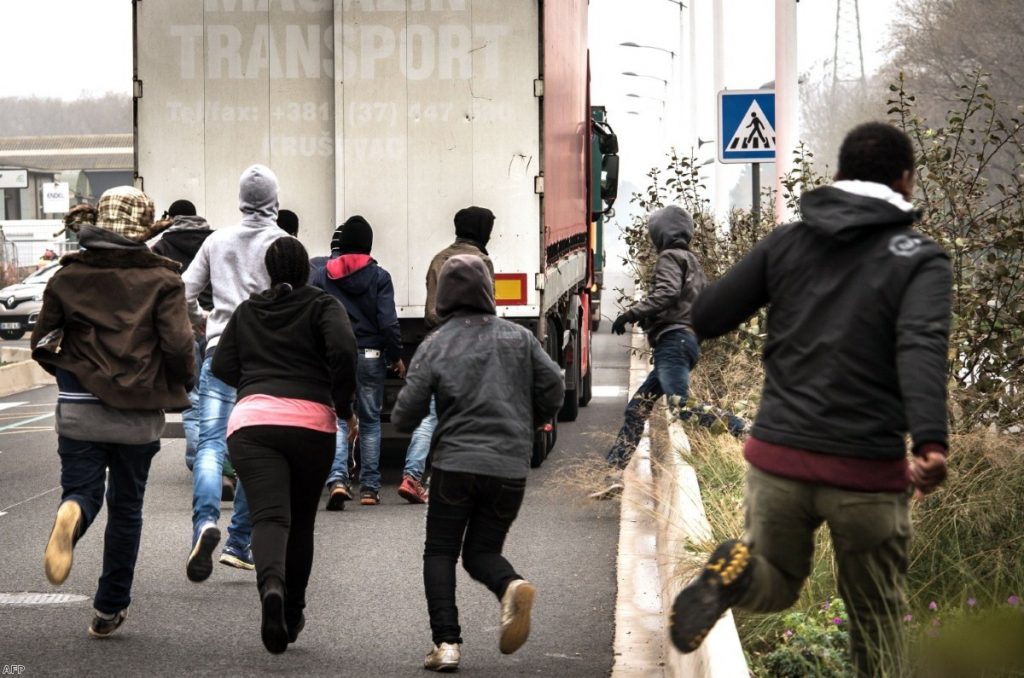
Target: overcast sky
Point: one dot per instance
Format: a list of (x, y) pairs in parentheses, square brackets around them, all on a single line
[(67, 47)]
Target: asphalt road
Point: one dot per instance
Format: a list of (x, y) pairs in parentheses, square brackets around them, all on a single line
[(366, 615), (17, 343)]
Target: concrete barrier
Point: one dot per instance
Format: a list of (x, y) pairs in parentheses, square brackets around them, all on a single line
[(661, 511), (20, 372)]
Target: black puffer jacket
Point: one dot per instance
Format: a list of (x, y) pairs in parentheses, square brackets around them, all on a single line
[(491, 378), (677, 278), (858, 327)]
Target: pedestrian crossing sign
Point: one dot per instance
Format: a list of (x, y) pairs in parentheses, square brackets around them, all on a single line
[(746, 126)]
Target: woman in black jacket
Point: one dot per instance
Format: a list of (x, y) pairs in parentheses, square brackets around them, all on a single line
[(291, 354)]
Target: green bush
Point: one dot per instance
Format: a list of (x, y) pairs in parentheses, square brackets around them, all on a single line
[(813, 644)]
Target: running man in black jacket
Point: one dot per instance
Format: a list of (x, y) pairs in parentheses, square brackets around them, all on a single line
[(858, 334)]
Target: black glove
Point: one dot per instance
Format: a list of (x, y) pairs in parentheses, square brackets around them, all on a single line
[(619, 326)]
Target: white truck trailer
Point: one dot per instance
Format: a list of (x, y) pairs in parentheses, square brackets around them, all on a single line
[(403, 111)]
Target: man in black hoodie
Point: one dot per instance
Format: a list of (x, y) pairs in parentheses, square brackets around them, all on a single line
[(365, 290), (180, 242), (855, 359), (473, 226)]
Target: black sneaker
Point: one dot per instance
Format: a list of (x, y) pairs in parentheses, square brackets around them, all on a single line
[(274, 629), (104, 625), (696, 610), (200, 560), (369, 496), (294, 628), (227, 488)]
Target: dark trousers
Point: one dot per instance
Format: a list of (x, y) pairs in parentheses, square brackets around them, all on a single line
[(83, 478), (471, 514), (675, 354), (283, 469)]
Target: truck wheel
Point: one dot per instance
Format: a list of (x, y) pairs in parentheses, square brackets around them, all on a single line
[(537, 456), (587, 385), (12, 335), (543, 443), (571, 406)]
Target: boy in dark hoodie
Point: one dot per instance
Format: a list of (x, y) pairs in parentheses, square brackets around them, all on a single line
[(181, 241), (855, 359), (665, 316), (365, 290), (473, 226), (491, 381)]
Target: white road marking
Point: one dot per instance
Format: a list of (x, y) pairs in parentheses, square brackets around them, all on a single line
[(26, 421), (5, 509), (7, 406), (609, 391)]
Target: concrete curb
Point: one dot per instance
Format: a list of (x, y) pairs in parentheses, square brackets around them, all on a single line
[(661, 511), (22, 374), (681, 520)]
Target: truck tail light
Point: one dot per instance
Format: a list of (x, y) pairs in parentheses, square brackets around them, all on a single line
[(510, 289)]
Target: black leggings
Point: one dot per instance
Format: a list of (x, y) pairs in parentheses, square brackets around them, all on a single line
[(283, 469), (471, 514)]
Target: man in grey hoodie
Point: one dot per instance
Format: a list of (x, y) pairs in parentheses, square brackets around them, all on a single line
[(492, 382), (231, 261), (665, 316)]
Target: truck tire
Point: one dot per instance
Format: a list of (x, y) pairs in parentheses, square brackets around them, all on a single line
[(587, 382), (543, 443), (12, 335), (571, 406)]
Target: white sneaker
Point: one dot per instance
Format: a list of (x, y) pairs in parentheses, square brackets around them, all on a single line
[(613, 487), (444, 658)]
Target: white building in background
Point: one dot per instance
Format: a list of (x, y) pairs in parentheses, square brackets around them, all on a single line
[(88, 164)]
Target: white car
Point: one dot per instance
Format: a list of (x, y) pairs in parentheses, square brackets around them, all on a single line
[(20, 303)]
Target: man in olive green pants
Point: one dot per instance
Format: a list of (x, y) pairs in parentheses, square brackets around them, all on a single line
[(871, 538), (854, 359)]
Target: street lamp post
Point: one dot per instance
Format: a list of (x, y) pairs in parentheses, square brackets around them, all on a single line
[(672, 57), (654, 47), (634, 95), (644, 75)]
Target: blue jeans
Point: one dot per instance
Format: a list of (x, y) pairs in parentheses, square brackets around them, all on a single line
[(83, 474), (190, 417), (419, 444), (370, 374), (215, 402), (675, 353)]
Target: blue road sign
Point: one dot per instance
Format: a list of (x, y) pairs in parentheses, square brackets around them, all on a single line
[(746, 126)]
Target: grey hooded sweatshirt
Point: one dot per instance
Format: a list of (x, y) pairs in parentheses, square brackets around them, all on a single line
[(231, 259), (492, 380), (677, 278)]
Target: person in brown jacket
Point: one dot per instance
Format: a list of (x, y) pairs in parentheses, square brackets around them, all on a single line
[(473, 226), (115, 332)]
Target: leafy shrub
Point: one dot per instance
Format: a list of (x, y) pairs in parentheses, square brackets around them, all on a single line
[(813, 644)]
